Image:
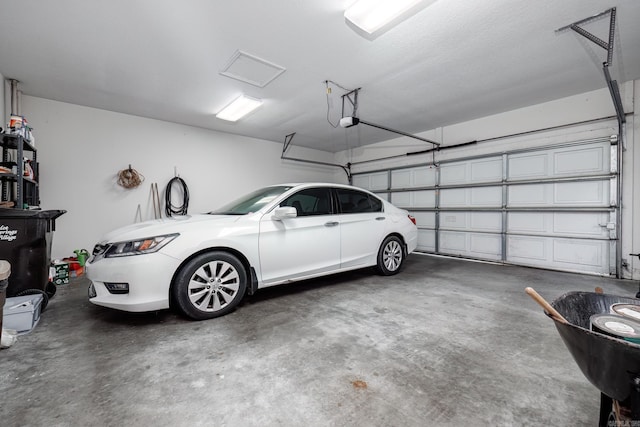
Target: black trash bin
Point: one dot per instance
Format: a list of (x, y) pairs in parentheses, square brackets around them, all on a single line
[(25, 241), (5, 272)]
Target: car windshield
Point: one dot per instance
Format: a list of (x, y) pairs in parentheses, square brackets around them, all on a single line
[(252, 202)]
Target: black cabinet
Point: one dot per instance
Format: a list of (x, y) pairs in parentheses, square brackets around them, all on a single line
[(17, 187)]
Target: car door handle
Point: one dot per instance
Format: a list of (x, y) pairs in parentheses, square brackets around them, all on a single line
[(380, 218), (331, 224)]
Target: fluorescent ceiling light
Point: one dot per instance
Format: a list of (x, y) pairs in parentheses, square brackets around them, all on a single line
[(374, 17), (239, 108)]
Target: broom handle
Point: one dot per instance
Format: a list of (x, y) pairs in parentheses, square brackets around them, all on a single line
[(552, 311)]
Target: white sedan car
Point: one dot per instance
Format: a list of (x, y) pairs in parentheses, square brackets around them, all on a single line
[(202, 265)]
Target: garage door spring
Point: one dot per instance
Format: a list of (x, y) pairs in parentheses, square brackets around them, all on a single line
[(170, 208)]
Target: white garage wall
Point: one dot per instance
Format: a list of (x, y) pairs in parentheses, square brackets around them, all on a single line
[(81, 150), (575, 109)]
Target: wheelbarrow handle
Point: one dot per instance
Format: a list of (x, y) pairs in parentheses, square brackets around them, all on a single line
[(544, 304)]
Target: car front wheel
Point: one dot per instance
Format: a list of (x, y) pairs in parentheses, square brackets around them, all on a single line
[(210, 285), (390, 256)]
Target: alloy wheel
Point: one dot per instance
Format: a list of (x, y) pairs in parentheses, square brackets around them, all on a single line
[(392, 255), (213, 286)]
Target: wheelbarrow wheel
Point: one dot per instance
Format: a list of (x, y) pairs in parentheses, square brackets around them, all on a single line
[(45, 297)]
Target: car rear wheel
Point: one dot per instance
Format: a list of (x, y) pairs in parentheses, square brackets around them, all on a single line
[(210, 285), (390, 256)]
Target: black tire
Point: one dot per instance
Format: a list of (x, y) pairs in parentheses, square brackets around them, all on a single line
[(45, 297), (210, 285), (390, 256), (51, 289)]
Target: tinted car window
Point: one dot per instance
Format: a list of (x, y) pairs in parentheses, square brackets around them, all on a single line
[(311, 201), (353, 201), (376, 204)]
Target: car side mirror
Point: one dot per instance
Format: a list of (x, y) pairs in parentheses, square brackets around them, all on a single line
[(284, 212)]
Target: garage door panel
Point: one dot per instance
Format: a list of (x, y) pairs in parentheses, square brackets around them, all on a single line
[(371, 181), (454, 197), (453, 173), (587, 253), (471, 197), (487, 245), (489, 170), (472, 171), (527, 222), (583, 224), (414, 177), (384, 196), (426, 240), (453, 242), (474, 245), (486, 221), (401, 179), (580, 161), (361, 181), (424, 177), (454, 220), (527, 167), (581, 193), (401, 199), (486, 196), (565, 224), (589, 256), (471, 221), (586, 193), (527, 195), (424, 198), (526, 249), (590, 159), (425, 219), (410, 199)]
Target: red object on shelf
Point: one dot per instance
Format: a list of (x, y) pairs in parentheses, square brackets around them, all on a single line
[(74, 266)]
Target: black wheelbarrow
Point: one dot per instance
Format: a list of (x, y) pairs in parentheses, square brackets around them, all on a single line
[(609, 363)]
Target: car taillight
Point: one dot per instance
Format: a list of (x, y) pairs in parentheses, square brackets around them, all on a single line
[(412, 219)]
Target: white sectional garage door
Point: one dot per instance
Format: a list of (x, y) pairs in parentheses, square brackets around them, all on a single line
[(553, 207)]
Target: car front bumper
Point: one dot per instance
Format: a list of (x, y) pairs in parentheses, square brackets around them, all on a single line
[(148, 276)]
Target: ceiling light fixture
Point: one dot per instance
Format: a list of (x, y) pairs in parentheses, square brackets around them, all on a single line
[(371, 18), (239, 108)]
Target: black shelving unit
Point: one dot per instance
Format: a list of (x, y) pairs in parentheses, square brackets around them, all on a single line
[(26, 189)]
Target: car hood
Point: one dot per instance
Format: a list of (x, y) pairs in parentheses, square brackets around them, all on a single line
[(177, 224)]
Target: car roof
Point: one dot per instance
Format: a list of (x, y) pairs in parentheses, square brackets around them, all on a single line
[(317, 184)]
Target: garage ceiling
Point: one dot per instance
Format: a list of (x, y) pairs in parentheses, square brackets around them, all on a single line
[(454, 61)]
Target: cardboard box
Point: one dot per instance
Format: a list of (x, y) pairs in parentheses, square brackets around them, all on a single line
[(60, 274), (22, 313)]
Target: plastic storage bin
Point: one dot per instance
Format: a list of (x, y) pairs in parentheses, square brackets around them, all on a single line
[(25, 241), (22, 313)]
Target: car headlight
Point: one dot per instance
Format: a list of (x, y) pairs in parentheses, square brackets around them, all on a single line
[(138, 247)]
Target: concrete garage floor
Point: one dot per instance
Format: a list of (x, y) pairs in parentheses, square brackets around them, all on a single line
[(445, 342)]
